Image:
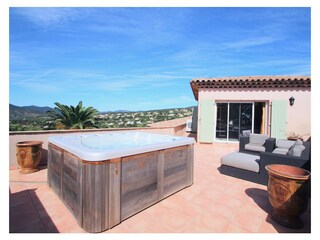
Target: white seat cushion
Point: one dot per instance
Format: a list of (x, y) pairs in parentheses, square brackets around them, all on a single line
[(241, 160), (282, 151), (296, 149), (254, 147), (258, 138), (282, 143)]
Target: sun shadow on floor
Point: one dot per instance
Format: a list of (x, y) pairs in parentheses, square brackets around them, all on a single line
[(27, 214), (261, 198)]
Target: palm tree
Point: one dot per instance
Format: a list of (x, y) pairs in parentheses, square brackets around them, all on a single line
[(73, 117)]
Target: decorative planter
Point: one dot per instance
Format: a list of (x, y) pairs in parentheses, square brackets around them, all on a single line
[(294, 138), (29, 156), (288, 190)]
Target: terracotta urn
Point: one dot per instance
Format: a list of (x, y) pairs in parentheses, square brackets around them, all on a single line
[(28, 156), (288, 189)]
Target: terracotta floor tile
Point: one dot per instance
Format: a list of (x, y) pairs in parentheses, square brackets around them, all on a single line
[(172, 219), (248, 221), (15, 201), (49, 224), (120, 228), (203, 201), (214, 203), (17, 187), (159, 228), (193, 227), (267, 227), (65, 223), (214, 223), (140, 222), (234, 228), (229, 201), (22, 217), (34, 227), (223, 210)]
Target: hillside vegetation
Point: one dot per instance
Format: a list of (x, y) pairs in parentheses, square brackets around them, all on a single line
[(35, 118)]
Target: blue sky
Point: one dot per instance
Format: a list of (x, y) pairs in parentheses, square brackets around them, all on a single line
[(144, 58)]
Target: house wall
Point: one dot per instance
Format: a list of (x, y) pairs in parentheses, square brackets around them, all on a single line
[(298, 115)]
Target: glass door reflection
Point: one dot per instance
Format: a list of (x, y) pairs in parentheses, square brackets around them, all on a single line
[(245, 117), (232, 119), (222, 121)]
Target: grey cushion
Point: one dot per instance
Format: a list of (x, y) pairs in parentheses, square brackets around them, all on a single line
[(296, 149), (241, 160), (246, 133), (255, 147), (282, 143), (258, 138), (282, 151)]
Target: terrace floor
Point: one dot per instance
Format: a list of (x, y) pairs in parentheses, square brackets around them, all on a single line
[(215, 203)]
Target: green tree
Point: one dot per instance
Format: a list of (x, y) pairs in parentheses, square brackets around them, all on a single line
[(71, 117)]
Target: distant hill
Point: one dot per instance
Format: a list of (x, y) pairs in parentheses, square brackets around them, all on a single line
[(31, 112), (33, 118), (18, 113)]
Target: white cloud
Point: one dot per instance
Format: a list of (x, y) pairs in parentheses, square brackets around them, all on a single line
[(142, 82), (249, 42), (36, 81), (66, 79), (144, 26), (45, 17), (169, 102)]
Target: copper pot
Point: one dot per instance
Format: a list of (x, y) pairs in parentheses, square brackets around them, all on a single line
[(288, 189), (29, 156)]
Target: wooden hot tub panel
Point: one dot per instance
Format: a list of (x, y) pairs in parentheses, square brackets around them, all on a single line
[(101, 194)]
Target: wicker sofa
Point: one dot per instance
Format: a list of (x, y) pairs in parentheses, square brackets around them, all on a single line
[(250, 165)]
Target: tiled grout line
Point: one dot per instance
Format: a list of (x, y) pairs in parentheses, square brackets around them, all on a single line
[(26, 182)]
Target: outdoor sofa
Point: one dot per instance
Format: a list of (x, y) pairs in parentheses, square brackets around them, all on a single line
[(256, 143), (250, 165)]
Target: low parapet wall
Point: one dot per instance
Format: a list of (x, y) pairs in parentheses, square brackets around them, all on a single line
[(15, 137)]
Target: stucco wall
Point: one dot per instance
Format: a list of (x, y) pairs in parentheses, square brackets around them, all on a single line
[(298, 115)]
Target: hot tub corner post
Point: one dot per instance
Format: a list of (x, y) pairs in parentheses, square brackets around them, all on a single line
[(190, 164), (114, 192), (95, 197), (160, 176)]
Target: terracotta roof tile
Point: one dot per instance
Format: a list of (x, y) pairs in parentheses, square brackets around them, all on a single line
[(250, 82)]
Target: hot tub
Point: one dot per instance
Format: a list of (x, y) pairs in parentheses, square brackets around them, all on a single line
[(106, 178)]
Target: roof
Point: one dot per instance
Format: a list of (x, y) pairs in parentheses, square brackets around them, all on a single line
[(250, 82)]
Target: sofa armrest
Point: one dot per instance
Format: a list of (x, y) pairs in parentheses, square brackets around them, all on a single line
[(242, 142), (270, 144), (267, 158)]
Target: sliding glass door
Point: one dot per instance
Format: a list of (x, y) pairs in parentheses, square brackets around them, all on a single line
[(232, 119), (222, 120)]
